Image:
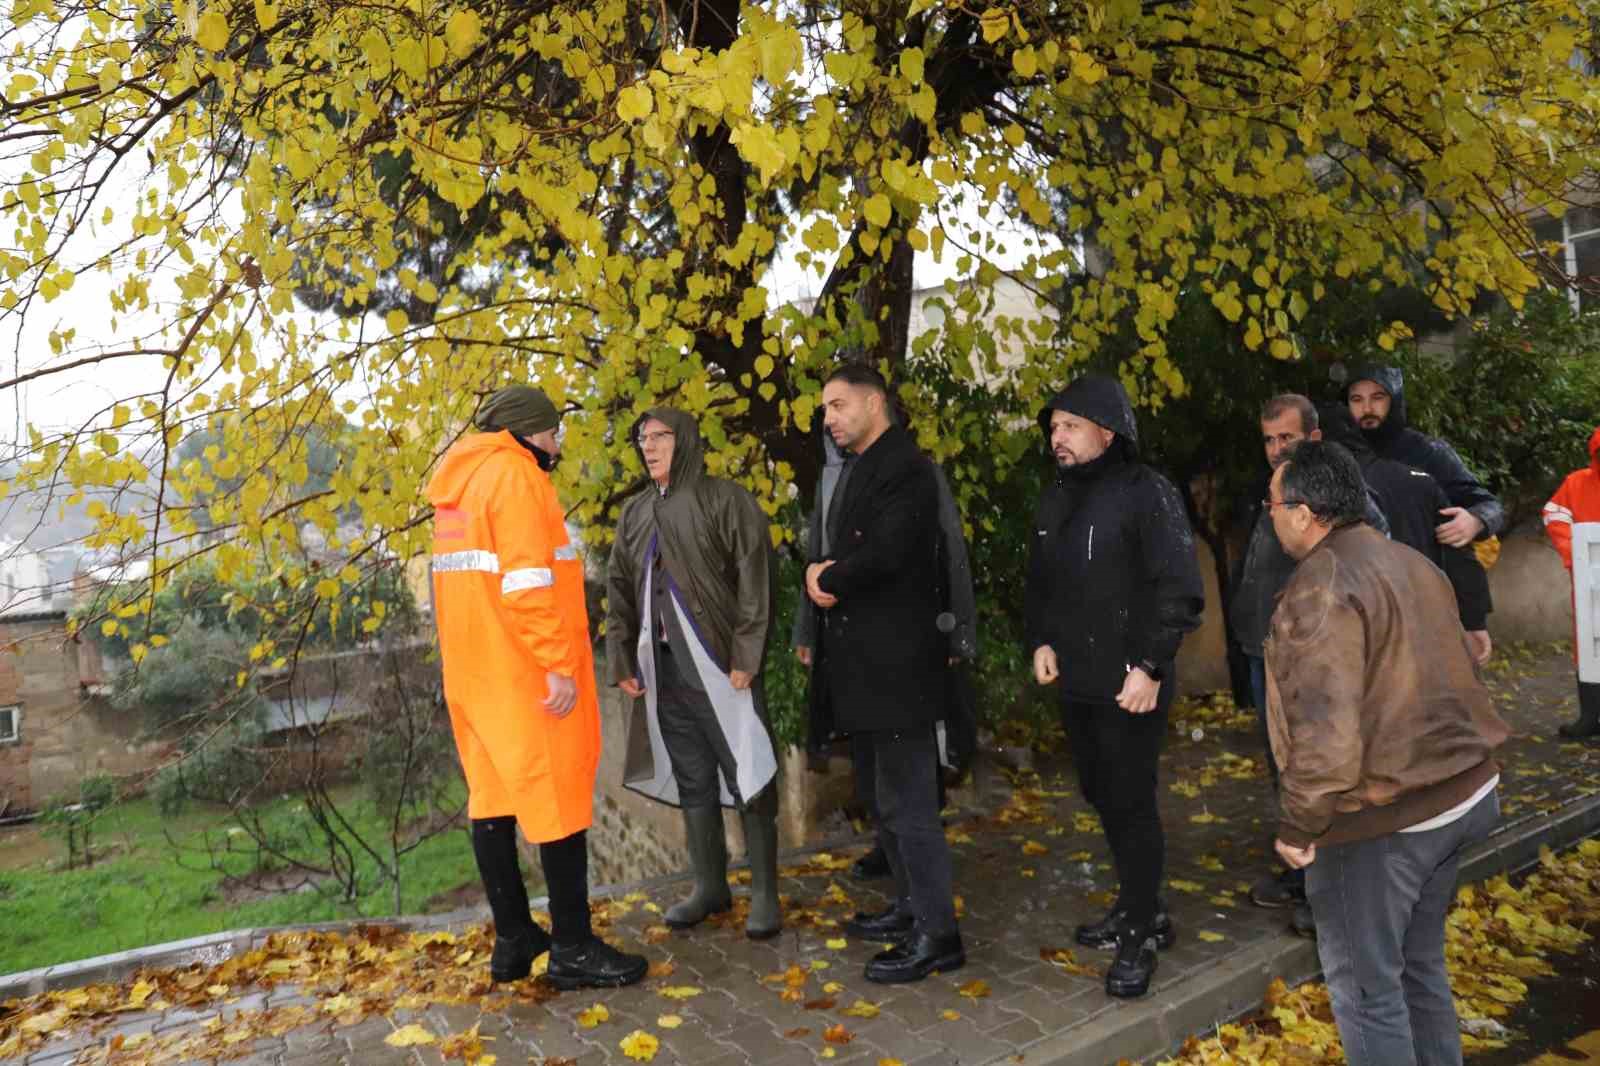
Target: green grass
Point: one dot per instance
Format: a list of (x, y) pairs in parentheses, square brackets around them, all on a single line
[(148, 890)]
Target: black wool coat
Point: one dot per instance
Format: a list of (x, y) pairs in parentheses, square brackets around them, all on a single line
[(880, 655)]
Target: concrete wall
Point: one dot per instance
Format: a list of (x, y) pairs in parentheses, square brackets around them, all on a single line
[(1531, 589), (1203, 656)]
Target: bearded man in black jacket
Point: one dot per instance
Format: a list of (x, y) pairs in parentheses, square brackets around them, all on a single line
[(1113, 586), (1376, 396)]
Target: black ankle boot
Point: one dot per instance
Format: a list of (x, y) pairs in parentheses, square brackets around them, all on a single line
[(871, 866), (1102, 935), (1130, 972), (518, 940)]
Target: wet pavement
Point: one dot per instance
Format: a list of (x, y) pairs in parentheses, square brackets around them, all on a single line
[(1030, 864)]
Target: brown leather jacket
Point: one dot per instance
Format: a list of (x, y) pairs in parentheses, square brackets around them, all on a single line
[(1377, 716)]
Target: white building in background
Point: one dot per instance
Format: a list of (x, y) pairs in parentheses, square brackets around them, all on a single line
[(25, 586)]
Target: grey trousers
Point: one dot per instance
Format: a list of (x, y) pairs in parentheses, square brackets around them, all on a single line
[(906, 792), (693, 736), (1380, 908)]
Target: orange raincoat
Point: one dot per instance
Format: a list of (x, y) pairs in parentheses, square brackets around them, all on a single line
[(508, 600)]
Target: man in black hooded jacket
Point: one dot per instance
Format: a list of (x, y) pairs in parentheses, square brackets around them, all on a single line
[(1113, 586), (1376, 397), (1412, 501)]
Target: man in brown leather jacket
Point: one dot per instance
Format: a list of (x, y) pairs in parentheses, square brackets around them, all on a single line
[(1385, 738)]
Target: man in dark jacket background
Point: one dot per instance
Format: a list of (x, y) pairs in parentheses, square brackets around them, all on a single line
[(882, 658), (1113, 586), (1376, 396), (1413, 502), (1385, 736)]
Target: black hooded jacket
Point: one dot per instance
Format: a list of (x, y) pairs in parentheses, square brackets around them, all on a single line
[(1112, 576), (1396, 440), (1411, 500)]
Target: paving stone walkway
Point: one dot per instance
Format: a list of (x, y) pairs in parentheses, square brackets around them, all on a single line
[(1030, 863)]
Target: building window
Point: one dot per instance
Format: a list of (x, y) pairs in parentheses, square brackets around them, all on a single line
[(1578, 234), (10, 725)]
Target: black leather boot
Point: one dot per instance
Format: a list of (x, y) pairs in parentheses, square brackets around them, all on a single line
[(871, 867), (1129, 974), (895, 922), (708, 858), (919, 956), (1102, 935), (1588, 724), (594, 964), (518, 939)]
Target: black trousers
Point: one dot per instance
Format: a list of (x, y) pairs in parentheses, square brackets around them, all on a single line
[(1116, 755), (566, 876), (695, 745), (905, 803)]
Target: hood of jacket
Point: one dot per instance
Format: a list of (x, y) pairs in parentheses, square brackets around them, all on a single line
[(449, 482), (1594, 450), (688, 447), (1393, 380), (1339, 427), (1103, 401)]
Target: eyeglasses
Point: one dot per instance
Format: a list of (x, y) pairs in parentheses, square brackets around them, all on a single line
[(1270, 504), (650, 440)]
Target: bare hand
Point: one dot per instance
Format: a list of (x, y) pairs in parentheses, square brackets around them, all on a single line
[(802, 653), (1139, 692), (1462, 529), (1479, 644), (1297, 858), (563, 694), (631, 687), (740, 680), (814, 590), (1045, 667)]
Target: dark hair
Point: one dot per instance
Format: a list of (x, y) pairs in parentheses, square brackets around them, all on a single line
[(859, 374), (1291, 401), (1324, 476), (1338, 427)]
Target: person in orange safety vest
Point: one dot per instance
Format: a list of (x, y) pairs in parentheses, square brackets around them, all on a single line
[(508, 600), (1578, 501)]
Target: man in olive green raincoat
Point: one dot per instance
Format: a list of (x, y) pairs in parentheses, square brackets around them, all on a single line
[(690, 595)]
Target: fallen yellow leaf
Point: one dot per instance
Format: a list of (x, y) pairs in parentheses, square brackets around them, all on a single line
[(678, 991), (410, 1036), (862, 1009), (833, 988), (669, 1021), (593, 1016), (1033, 847), (837, 1034), (828, 1053), (975, 989), (640, 1045), (838, 943), (950, 1015)]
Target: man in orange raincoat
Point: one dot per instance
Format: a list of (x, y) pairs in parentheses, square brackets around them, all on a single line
[(519, 678), (1574, 513)]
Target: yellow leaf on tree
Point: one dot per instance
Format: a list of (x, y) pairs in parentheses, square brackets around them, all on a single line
[(212, 32), (463, 30)]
